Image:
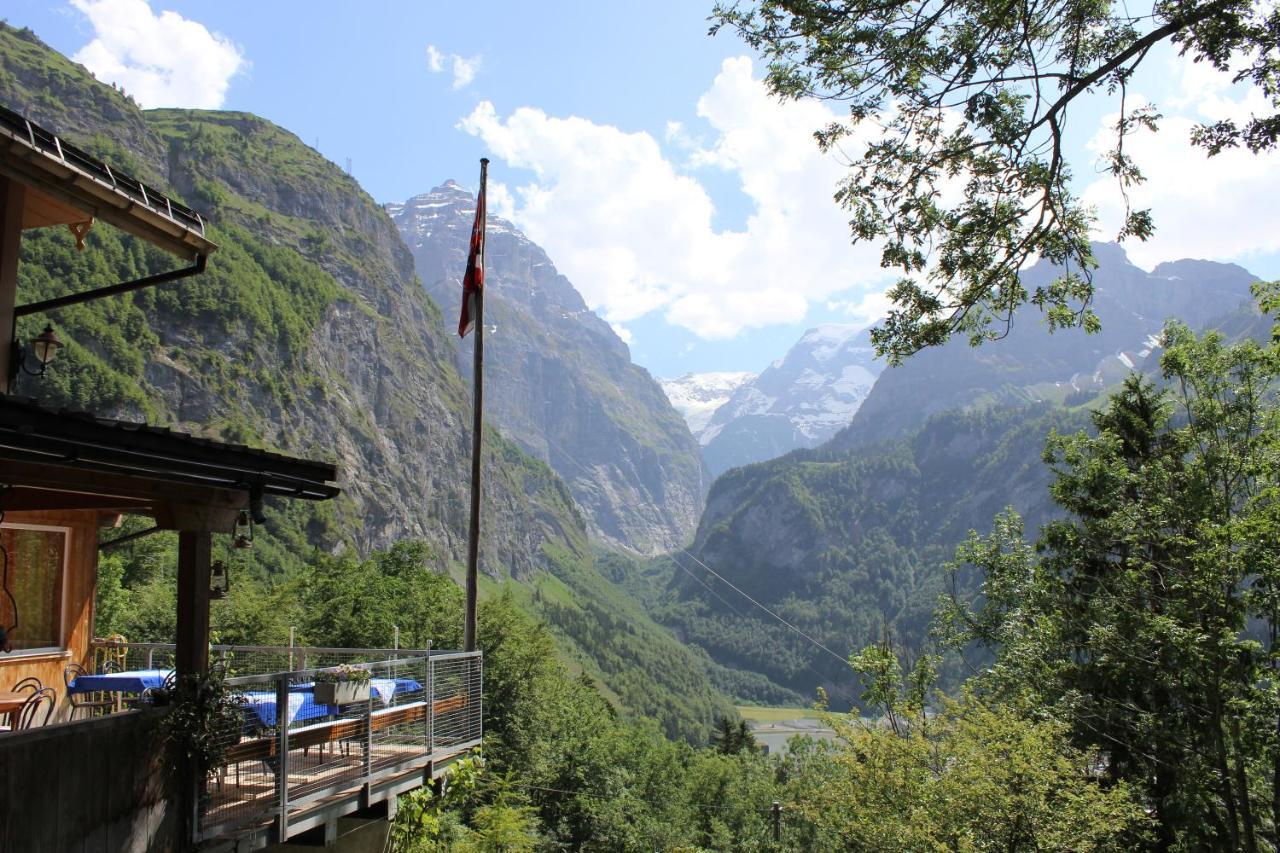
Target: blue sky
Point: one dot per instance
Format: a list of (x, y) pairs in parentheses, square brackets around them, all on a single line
[(691, 210)]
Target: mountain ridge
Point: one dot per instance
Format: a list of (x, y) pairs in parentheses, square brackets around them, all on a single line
[(310, 334), (560, 382)]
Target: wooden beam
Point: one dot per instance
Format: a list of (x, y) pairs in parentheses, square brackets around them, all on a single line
[(186, 516), (24, 498), (112, 487), (192, 652), (12, 197)]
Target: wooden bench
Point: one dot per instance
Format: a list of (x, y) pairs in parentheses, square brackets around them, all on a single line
[(264, 748)]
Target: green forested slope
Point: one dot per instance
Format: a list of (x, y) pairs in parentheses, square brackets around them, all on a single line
[(309, 334), (847, 545)]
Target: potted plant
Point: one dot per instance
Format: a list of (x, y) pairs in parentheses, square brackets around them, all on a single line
[(205, 716), (342, 685)]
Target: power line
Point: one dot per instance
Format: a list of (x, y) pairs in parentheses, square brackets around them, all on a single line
[(721, 577), (837, 688), (811, 640), (605, 798)]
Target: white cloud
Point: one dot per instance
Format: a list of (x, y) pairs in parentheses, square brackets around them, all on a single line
[(634, 233), (622, 332), (1216, 208), (435, 59), (463, 68), (863, 310), (162, 60)]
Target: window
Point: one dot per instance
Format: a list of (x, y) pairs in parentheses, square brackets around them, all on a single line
[(32, 567)]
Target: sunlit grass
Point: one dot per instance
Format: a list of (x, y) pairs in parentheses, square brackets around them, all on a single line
[(759, 714)]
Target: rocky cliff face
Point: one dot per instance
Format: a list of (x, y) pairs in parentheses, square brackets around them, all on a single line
[(558, 381), (308, 333), (801, 400)]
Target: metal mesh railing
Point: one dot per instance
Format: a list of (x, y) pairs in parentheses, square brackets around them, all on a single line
[(119, 655), (297, 745), (457, 687)]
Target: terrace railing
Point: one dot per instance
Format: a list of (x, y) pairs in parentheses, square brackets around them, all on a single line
[(120, 655), (297, 762)]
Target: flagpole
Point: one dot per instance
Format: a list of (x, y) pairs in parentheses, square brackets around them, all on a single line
[(477, 423)]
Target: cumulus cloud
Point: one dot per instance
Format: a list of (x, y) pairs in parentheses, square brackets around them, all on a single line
[(865, 310), (1217, 208), (633, 229), (162, 60), (463, 68)]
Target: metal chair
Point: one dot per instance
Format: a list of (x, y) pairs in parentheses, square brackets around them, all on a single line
[(90, 702), (114, 655), (30, 683), (43, 698)]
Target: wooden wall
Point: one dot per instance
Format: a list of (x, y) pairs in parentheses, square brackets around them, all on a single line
[(98, 786), (78, 599)]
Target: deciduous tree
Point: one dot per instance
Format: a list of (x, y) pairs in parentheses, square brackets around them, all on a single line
[(966, 177)]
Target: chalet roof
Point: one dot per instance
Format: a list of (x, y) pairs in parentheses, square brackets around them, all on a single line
[(32, 438), (67, 185)]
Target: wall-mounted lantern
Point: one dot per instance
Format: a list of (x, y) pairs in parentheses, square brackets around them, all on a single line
[(35, 360)]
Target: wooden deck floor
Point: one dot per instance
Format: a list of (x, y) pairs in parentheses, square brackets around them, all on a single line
[(244, 795)]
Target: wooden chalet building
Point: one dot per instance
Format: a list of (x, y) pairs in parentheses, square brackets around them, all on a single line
[(99, 775)]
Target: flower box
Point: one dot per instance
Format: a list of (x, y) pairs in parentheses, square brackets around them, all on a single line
[(341, 692)]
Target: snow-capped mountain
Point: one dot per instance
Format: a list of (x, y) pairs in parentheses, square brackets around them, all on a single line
[(696, 396), (801, 400)]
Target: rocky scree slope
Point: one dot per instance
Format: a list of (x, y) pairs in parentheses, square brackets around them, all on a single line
[(558, 381)]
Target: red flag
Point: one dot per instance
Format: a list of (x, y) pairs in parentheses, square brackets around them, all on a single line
[(473, 280)]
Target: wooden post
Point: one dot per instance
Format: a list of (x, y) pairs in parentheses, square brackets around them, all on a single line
[(191, 657), (477, 426), (192, 653), (12, 198)]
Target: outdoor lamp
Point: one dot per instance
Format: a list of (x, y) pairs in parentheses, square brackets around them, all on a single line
[(44, 347), (219, 580), (242, 538)]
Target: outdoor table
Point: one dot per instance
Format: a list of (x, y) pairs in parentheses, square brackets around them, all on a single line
[(386, 688), (129, 681), (303, 705), (262, 704), (10, 705)]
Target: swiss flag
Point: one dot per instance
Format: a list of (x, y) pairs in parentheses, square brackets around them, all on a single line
[(473, 280)]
